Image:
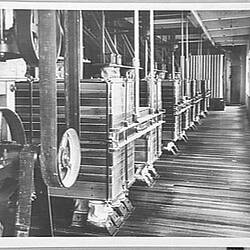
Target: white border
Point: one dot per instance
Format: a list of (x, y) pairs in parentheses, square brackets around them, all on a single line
[(151, 242), (128, 5)]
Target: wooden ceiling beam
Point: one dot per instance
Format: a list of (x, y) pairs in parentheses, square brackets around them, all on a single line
[(207, 16), (239, 38), (199, 21), (217, 24), (230, 32)]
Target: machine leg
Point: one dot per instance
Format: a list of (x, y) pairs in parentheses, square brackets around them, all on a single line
[(172, 148), (184, 136), (80, 213), (153, 171), (203, 114), (143, 175), (109, 216)]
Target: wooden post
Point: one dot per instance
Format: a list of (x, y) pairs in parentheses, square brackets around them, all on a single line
[(136, 61), (72, 65), (26, 189), (47, 87)]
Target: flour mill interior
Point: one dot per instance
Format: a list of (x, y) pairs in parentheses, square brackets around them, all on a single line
[(124, 122)]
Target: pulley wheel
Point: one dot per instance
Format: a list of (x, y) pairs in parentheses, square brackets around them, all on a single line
[(69, 158), (26, 25), (13, 130), (12, 140)]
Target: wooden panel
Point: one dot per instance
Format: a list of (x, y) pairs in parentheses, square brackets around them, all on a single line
[(171, 97), (147, 89), (98, 100)]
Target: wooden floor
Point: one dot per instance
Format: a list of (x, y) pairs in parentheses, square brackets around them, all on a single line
[(202, 191)]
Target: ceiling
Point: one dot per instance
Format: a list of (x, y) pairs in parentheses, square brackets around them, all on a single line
[(225, 27), (221, 27)]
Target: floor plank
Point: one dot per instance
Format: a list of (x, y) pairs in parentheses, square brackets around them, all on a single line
[(202, 191)]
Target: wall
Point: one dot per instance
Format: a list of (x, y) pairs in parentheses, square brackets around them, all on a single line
[(238, 73), (243, 75), (247, 96)]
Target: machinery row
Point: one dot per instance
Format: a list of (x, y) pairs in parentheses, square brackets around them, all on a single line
[(90, 100)]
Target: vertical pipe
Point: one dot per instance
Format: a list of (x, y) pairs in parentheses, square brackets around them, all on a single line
[(103, 36), (209, 72), (221, 75), (47, 88), (1, 25), (173, 69), (192, 67), (152, 59), (72, 65), (182, 48), (81, 55), (217, 75), (30, 81), (221, 92), (136, 60), (196, 67), (146, 58), (187, 53), (213, 72), (201, 66)]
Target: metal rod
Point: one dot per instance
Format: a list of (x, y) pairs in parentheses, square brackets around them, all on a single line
[(81, 55), (187, 52), (136, 60), (1, 26), (151, 58), (182, 48), (31, 110), (103, 36), (146, 58), (173, 69), (221, 76)]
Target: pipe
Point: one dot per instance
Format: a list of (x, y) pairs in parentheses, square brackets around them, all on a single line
[(187, 53), (173, 69), (103, 36), (151, 58), (182, 48), (146, 58), (136, 61), (1, 25)]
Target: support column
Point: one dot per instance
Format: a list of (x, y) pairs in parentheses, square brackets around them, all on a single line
[(47, 87)]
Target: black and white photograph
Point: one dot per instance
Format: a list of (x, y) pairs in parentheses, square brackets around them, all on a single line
[(125, 123)]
